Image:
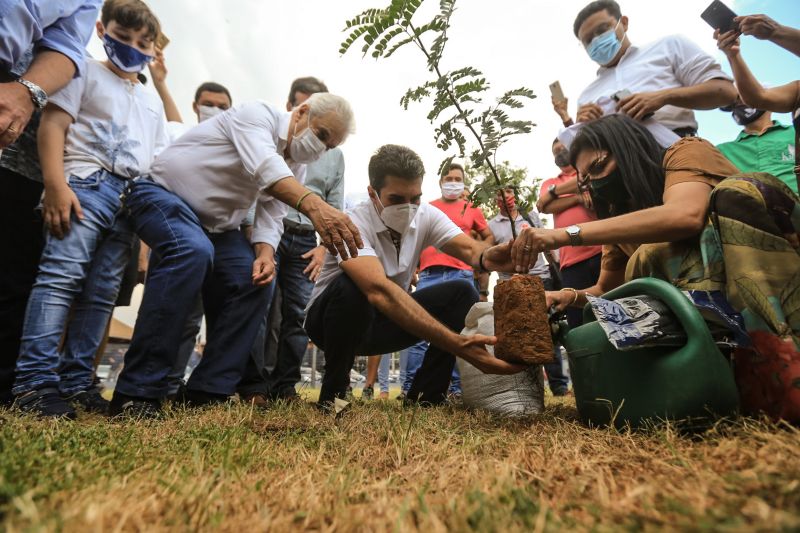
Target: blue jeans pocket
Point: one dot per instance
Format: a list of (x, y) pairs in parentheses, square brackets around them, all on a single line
[(91, 181)]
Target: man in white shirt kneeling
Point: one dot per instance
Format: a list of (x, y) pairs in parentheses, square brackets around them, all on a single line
[(361, 306)]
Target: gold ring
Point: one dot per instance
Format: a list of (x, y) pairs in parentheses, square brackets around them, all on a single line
[(12, 129), (527, 248)]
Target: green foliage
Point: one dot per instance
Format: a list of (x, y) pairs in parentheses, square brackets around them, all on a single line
[(484, 189), (463, 123)]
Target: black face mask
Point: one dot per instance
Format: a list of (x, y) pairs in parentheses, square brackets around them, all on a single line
[(562, 159), (610, 198)]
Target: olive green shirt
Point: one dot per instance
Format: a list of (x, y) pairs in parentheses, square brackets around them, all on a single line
[(772, 152)]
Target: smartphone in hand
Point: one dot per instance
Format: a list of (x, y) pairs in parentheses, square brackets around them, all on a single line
[(556, 92), (720, 17)]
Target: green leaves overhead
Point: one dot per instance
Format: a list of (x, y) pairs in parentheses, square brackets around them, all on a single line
[(455, 94)]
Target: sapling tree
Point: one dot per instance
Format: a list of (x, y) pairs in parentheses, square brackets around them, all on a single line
[(462, 121)]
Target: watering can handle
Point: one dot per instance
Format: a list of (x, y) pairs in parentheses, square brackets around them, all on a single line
[(686, 313)]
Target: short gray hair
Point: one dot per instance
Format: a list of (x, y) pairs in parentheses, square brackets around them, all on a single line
[(324, 103)]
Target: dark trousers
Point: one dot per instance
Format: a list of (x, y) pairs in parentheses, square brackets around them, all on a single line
[(295, 289), (556, 378), (189, 261), (21, 240), (580, 276), (344, 324)]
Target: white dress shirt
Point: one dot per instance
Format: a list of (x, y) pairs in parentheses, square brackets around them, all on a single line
[(225, 164), (430, 227), (670, 62)]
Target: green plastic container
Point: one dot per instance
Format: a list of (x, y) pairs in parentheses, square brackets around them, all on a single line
[(693, 384)]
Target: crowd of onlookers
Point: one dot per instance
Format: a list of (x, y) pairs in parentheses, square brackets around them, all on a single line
[(239, 219)]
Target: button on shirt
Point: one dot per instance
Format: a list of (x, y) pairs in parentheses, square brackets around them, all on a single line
[(773, 151), (673, 61), (325, 177), (501, 228), (225, 164), (63, 26), (430, 227)]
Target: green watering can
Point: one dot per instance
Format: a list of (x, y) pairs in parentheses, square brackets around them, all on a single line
[(693, 384)]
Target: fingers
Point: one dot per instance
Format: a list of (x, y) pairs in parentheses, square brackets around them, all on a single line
[(263, 273), (10, 134), (76, 206), (356, 237)]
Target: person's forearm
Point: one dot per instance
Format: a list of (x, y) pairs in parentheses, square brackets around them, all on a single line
[(656, 224), (707, 95), (483, 281), (787, 38), (568, 187), (403, 310), (778, 100), (170, 107), (554, 207), (50, 141), (50, 70), (288, 190)]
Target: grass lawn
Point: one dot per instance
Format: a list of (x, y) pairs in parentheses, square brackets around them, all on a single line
[(381, 467)]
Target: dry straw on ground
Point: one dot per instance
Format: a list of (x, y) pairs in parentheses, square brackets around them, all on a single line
[(384, 468)]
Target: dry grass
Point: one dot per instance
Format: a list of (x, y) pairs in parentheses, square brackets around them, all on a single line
[(381, 467)]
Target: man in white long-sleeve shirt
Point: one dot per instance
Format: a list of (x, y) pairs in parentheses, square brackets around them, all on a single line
[(189, 210)]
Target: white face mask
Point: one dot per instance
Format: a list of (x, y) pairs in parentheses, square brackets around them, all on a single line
[(205, 112), (397, 217), (452, 190), (306, 147)]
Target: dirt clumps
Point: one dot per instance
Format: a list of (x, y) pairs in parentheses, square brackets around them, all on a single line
[(521, 321)]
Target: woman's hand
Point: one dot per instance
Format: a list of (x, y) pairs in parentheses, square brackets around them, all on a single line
[(158, 68), (530, 242), (559, 299), (728, 42)]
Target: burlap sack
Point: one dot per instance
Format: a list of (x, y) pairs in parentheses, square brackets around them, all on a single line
[(515, 395)]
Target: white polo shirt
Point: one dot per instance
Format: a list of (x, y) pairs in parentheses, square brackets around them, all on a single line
[(670, 62), (224, 165), (430, 227)]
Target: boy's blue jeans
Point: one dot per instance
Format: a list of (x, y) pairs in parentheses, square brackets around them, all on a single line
[(81, 272), (416, 354), (189, 261)]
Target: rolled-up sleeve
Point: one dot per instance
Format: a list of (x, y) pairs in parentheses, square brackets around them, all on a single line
[(692, 65), (268, 225), (253, 133), (69, 35)]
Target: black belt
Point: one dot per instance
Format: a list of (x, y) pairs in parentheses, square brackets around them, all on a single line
[(439, 268), (296, 230)]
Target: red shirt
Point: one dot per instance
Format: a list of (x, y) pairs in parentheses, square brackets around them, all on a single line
[(471, 219), (571, 255)]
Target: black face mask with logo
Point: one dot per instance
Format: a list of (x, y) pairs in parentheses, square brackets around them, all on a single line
[(610, 197)]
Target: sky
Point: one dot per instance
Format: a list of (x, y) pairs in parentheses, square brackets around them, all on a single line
[(257, 47)]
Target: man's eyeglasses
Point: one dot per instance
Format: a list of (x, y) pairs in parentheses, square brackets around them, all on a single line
[(597, 166)]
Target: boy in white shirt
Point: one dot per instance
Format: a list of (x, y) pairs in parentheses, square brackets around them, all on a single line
[(98, 133)]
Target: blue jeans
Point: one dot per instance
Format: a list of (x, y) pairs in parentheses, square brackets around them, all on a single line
[(190, 262), (295, 290), (557, 379), (81, 272), (416, 354), (383, 372)]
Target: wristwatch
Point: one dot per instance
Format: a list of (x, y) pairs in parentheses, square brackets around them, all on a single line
[(551, 190), (38, 96), (574, 233)]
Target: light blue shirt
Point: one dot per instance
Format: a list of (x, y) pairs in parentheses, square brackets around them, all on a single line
[(324, 177), (26, 26)]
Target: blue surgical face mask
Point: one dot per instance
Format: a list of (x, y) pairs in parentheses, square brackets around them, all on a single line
[(125, 57), (605, 47)]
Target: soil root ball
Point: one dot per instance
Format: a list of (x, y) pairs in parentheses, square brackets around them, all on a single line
[(521, 321)]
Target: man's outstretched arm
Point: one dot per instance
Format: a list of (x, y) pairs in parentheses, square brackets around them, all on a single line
[(368, 274)]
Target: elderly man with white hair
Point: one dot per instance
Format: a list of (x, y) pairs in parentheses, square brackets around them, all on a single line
[(188, 211)]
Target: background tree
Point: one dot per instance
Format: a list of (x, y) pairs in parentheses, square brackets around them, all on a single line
[(483, 189), (461, 119)]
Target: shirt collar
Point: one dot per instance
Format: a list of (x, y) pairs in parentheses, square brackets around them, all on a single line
[(631, 49), (775, 125), (284, 118)]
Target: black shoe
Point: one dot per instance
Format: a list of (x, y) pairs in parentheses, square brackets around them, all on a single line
[(90, 400), (45, 403), (131, 407), (198, 398)]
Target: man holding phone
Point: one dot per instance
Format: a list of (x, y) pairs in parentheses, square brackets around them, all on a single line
[(666, 79)]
